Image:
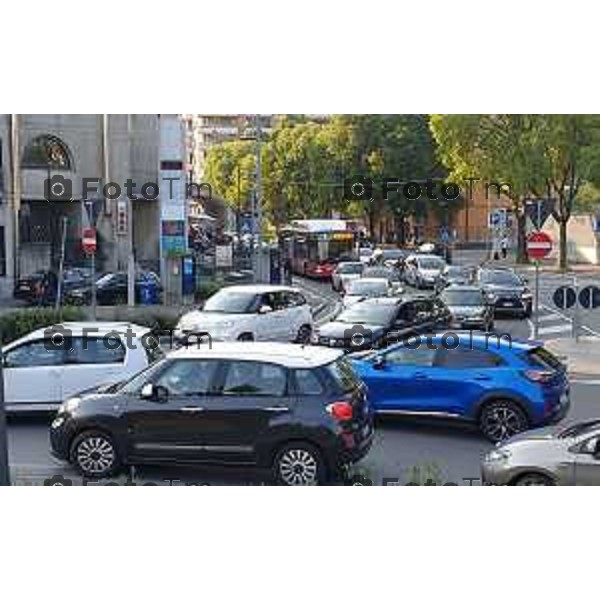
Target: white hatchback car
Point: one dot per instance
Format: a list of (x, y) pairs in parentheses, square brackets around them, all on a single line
[(250, 313), (49, 365)]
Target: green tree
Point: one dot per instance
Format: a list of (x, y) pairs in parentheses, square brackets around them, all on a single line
[(538, 155)]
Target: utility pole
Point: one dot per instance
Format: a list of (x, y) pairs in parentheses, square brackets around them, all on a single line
[(61, 266), (4, 468), (257, 209), (130, 249)]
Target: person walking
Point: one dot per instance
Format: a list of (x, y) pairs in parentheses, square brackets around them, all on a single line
[(504, 246)]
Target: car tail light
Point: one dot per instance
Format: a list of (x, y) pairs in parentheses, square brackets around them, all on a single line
[(341, 411), (539, 376)]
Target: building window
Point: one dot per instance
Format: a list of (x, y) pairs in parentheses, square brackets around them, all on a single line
[(47, 152), (2, 254)]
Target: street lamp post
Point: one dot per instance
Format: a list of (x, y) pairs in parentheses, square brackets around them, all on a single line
[(4, 469)]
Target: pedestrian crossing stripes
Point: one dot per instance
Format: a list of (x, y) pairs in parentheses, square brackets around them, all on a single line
[(554, 324)]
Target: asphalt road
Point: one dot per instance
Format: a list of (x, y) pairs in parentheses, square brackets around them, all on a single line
[(404, 449)]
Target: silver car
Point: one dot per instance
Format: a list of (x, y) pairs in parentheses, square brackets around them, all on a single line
[(344, 273), (550, 456)]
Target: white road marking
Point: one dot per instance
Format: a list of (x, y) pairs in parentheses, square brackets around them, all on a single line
[(550, 317), (586, 381), (554, 329)]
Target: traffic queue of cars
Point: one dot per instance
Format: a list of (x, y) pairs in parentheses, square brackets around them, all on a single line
[(238, 392)]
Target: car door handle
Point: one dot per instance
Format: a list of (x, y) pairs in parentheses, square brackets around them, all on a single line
[(421, 376), (280, 409), (481, 378), (192, 409)]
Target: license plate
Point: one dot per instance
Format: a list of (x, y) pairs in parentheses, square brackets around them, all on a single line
[(507, 303)]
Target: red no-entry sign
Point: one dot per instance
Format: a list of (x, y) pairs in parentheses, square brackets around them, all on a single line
[(539, 245), (88, 241)]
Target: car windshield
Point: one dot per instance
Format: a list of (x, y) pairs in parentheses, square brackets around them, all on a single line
[(462, 298), (350, 268), (105, 279), (431, 263), (344, 375), (367, 314), (500, 278), (456, 272), (579, 428), (227, 301), (392, 254), (380, 273), (367, 288)]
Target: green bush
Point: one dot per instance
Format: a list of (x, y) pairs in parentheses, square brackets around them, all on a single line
[(207, 289), (18, 323)]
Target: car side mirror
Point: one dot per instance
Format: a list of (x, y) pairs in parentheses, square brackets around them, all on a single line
[(265, 310), (379, 363), (155, 393)]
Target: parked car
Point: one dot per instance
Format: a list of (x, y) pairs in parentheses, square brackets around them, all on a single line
[(564, 455), (344, 273), (111, 289), (250, 313), (299, 411), (40, 370), (503, 386), (423, 270), (367, 287), (507, 291), (452, 275), (28, 288), (375, 322), (469, 307)]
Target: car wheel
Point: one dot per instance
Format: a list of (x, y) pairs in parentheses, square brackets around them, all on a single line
[(94, 454), (501, 419), (298, 463), (534, 479), (246, 337), (304, 335)]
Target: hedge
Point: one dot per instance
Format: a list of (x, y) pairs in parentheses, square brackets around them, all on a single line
[(17, 323)]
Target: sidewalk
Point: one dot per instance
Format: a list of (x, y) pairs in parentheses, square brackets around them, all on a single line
[(582, 358)]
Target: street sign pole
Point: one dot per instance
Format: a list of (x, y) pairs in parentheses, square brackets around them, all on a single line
[(93, 269), (536, 321), (4, 469), (575, 320)]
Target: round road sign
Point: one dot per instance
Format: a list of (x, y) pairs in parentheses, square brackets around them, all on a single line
[(539, 245), (565, 297), (88, 240), (589, 297)]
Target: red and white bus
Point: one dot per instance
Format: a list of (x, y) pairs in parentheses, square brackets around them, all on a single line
[(315, 246)]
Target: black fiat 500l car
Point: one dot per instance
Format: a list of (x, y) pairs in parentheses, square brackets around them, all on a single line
[(299, 411)]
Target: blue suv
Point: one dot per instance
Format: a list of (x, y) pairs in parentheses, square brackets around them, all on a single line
[(504, 386)]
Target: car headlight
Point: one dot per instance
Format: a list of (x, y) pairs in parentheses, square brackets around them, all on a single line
[(498, 455), (69, 405)]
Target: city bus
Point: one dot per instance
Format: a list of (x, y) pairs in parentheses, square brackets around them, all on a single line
[(314, 246)]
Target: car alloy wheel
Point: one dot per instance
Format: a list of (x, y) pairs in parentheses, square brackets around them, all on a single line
[(501, 420), (534, 479), (298, 464), (94, 454)]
